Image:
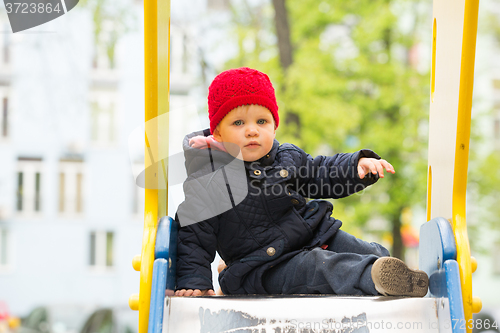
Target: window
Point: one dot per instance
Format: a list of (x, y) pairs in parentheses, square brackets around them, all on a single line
[(4, 247), (101, 249), (185, 59), (138, 192), (4, 113), (102, 60), (139, 197), (29, 184), (6, 45), (71, 189), (180, 48), (103, 118)]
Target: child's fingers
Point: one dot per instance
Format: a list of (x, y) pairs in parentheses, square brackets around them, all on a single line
[(374, 166), (388, 166), (188, 292), (380, 169), (361, 172), (180, 292), (371, 166), (195, 292), (221, 266), (366, 166)]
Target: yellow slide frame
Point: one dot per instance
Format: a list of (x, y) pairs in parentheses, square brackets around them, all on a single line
[(471, 305), (452, 80), (157, 91)]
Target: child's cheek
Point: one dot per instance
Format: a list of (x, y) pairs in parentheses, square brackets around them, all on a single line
[(233, 149)]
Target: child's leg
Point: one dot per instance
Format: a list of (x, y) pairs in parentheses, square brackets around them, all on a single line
[(322, 272), (342, 242)]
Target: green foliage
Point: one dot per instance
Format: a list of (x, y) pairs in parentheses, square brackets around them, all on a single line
[(483, 184), (352, 86), (111, 20), (490, 25)]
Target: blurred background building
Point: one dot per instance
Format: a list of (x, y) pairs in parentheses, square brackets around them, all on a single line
[(71, 216), (70, 213)]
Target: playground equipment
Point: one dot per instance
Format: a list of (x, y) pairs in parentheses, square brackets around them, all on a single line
[(444, 247)]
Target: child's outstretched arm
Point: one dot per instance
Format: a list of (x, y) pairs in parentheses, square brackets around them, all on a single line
[(368, 164), (337, 176)]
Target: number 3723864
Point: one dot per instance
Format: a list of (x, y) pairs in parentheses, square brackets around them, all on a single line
[(32, 8)]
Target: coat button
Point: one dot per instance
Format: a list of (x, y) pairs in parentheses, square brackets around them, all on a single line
[(271, 251), (257, 172), (295, 201), (284, 173)]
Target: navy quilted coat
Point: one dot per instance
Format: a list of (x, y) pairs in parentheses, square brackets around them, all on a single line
[(272, 223)]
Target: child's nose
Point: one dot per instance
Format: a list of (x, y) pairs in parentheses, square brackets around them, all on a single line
[(252, 131)]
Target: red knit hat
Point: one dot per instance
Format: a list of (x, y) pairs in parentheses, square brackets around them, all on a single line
[(236, 87)]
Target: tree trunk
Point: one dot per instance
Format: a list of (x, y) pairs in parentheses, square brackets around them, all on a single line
[(397, 241), (283, 34), (286, 54)]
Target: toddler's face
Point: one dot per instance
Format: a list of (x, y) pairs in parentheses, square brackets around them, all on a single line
[(249, 129)]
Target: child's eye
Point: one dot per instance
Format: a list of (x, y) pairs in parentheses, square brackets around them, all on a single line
[(238, 122), (261, 121)]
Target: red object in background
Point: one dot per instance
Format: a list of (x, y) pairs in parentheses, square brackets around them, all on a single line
[(409, 236), (4, 311)]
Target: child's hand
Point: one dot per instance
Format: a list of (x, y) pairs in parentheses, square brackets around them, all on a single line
[(196, 292), (367, 164), (221, 266)]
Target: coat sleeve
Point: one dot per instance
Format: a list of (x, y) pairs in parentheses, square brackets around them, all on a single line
[(196, 247), (333, 176), (196, 240)]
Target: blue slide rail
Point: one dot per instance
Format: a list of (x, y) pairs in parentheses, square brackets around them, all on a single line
[(163, 283), (438, 254)]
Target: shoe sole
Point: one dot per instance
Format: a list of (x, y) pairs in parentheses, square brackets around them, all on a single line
[(393, 278)]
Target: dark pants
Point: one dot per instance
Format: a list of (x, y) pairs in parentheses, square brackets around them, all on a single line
[(344, 268)]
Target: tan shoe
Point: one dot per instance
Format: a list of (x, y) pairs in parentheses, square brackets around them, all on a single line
[(392, 277)]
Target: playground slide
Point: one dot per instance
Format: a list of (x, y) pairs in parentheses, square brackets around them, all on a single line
[(444, 248)]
